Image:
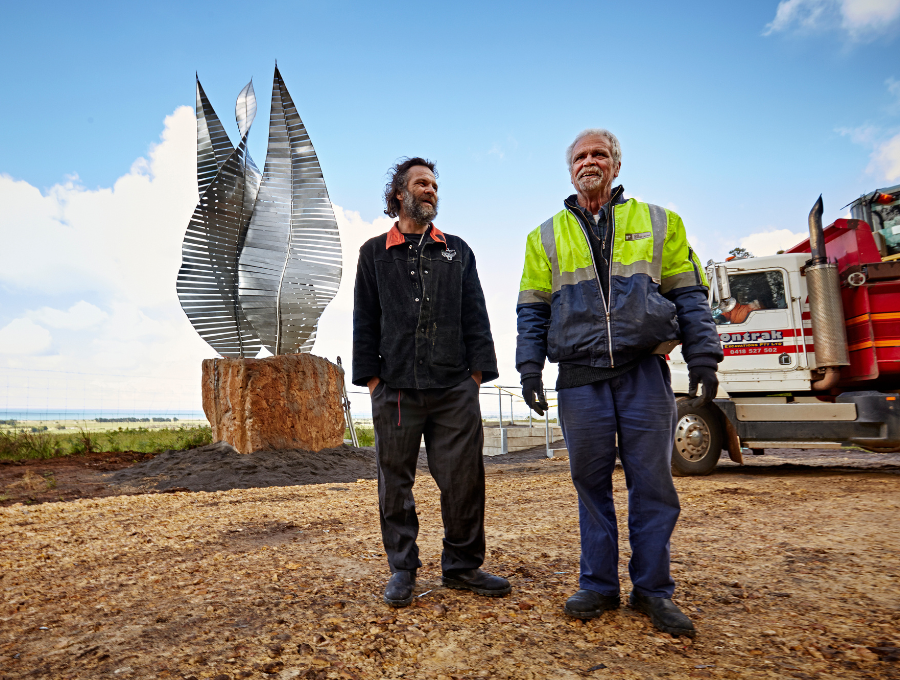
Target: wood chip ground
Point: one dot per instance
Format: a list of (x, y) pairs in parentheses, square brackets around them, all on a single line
[(786, 573)]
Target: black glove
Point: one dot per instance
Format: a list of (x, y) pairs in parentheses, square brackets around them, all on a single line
[(533, 392), (707, 378)]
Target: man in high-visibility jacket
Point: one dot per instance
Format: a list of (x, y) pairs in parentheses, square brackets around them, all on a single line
[(609, 286)]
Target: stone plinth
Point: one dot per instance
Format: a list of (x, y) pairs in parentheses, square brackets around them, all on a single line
[(291, 401)]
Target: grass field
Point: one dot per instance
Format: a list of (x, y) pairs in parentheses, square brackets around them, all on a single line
[(28, 444)]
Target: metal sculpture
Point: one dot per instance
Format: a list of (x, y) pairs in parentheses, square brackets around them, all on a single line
[(262, 255)]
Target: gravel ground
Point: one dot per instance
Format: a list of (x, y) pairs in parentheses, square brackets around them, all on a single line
[(787, 572)]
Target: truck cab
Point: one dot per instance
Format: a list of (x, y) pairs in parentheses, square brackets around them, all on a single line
[(802, 368)]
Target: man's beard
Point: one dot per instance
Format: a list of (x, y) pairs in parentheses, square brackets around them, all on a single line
[(419, 212), (588, 181)]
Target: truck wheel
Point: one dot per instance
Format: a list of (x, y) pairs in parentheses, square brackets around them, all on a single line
[(698, 440)]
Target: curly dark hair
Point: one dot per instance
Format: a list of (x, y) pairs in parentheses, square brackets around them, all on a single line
[(399, 173)]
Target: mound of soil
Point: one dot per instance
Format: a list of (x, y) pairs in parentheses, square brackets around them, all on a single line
[(218, 467)]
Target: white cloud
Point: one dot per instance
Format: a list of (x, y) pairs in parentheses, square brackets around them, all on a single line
[(863, 134), (770, 242), (119, 250), (884, 143), (864, 15), (860, 19), (886, 159), (23, 337), (123, 241), (78, 317), (893, 86), (805, 14)]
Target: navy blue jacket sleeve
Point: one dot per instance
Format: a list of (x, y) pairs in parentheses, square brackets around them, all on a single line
[(532, 324), (700, 344)]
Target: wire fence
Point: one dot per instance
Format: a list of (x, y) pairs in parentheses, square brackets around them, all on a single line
[(499, 404)]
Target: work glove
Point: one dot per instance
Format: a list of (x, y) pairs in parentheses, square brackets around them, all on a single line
[(707, 378), (533, 393)]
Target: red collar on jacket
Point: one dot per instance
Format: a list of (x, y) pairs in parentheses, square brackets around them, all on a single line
[(395, 237)]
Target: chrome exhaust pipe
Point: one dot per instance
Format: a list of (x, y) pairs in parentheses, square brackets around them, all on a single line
[(825, 308), (817, 234)]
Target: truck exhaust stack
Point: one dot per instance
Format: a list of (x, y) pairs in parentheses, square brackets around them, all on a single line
[(826, 310)]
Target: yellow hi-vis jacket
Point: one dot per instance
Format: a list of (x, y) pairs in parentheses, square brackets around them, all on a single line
[(563, 316)]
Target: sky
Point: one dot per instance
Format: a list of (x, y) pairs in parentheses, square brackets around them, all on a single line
[(735, 115)]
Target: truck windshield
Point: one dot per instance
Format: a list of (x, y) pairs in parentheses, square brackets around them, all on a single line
[(755, 291)]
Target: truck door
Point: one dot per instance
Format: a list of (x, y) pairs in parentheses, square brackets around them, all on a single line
[(758, 334)]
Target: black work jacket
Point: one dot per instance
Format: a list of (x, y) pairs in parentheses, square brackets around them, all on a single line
[(419, 316)]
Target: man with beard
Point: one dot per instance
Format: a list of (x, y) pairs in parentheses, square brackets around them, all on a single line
[(422, 345), (609, 286)]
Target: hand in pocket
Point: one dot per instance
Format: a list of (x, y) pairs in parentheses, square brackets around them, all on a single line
[(372, 384)]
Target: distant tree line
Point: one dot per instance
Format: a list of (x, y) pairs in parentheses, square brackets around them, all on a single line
[(133, 420)]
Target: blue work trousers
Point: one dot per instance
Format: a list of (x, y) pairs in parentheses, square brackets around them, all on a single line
[(638, 406)]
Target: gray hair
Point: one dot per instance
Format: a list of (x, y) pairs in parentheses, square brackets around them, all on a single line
[(596, 132)]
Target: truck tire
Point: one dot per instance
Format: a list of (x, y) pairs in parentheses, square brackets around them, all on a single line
[(698, 440)]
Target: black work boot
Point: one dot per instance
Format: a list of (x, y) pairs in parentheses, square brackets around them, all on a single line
[(479, 582), (399, 589), (664, 614), (589, 604)]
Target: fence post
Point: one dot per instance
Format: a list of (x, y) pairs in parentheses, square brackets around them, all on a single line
[(500, 400), (547, 432), (348, 418)]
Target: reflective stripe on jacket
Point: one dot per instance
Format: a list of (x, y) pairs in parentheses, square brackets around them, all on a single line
[(561, 311)]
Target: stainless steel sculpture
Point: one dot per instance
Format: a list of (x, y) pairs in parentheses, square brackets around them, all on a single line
[(262, 254)]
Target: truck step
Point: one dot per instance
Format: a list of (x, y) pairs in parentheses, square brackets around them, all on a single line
[(755, 444)]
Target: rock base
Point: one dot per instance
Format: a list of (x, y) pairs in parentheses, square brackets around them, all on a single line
[(292, 401)]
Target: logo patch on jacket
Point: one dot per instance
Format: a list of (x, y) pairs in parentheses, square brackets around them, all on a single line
[(638, 236), (449, 254)]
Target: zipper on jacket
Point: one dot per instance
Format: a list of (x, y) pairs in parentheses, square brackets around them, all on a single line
[(612, 242), (611, 216), (694, 265)]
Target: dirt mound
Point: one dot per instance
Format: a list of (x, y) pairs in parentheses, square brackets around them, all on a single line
[(218, 467)]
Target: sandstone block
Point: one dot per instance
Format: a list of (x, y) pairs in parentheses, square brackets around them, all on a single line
[(292, 401)]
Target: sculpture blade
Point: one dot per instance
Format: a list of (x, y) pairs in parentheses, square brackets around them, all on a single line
[(213, 145), (208, 279), (290, 267), (245, 113), (245, 109)]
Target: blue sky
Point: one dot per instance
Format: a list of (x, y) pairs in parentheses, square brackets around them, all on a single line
[(736, 115)]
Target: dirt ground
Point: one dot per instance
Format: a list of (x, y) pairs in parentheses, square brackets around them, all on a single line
[(789, 567)]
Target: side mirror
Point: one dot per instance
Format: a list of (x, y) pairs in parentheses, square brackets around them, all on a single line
[(726, 302)]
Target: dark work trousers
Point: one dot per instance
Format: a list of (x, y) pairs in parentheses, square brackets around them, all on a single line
[(450, 420), (638, 406)]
